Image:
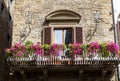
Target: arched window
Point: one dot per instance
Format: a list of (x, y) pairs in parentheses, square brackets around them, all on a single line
[(62, 27)]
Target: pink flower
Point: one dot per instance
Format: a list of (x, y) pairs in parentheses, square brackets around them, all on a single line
[(55, 49), (112, 47), (7, 50), (93, 47), (37, 49), (75, 48), (17, 45), (20, 54)]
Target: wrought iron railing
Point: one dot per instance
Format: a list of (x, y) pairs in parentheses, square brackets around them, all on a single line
[(54, 61)]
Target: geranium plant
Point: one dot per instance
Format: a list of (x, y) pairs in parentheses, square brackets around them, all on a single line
[(93, 47), (29, 48), (8, 52), (75, 49), (85, 49), (103, 50), (37, 49), (46, 49), (112, 48), (17, 50), (55, 49), (46, 46)]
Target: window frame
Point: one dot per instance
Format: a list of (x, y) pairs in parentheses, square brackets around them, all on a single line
[(62, 19)]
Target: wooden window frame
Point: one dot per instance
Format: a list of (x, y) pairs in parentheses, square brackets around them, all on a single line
[(65, 27), (62, 19)]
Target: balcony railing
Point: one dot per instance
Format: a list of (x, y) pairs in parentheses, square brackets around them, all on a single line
[(92, 54), (54, 61)]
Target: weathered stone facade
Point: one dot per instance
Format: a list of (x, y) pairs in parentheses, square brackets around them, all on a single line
[(28, 17)]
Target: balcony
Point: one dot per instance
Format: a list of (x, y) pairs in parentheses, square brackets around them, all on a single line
[(72, 58)]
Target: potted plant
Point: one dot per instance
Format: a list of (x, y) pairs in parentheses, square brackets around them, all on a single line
[(46, 49), (93, 48), (103, 50), (29, 48), (112, 48), (15, 53), (55, 49), (75, 50)]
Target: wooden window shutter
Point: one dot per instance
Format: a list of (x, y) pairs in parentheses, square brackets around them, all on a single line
[(79, 35), (42, 37), (47, 35), (119, 25), (72, 35), (118, 32)]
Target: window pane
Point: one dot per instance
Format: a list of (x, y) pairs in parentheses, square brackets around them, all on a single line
[(58, 36), (63, 36)]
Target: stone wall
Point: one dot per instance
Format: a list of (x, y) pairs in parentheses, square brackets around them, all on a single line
[(28, 17)]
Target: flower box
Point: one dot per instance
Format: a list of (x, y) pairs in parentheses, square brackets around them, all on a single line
[(31, 52)]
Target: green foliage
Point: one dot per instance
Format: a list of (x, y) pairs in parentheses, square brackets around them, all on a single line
[(85, 48), (28, 43), (103, 51), (46, 46), (7, 52), (28, 49), (64, 46)]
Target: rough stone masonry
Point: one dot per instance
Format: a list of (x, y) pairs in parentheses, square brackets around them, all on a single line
[(28, 17)]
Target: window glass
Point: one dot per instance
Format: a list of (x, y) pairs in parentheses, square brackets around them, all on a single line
[(63, 36), (68, 36), (58, 36)]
